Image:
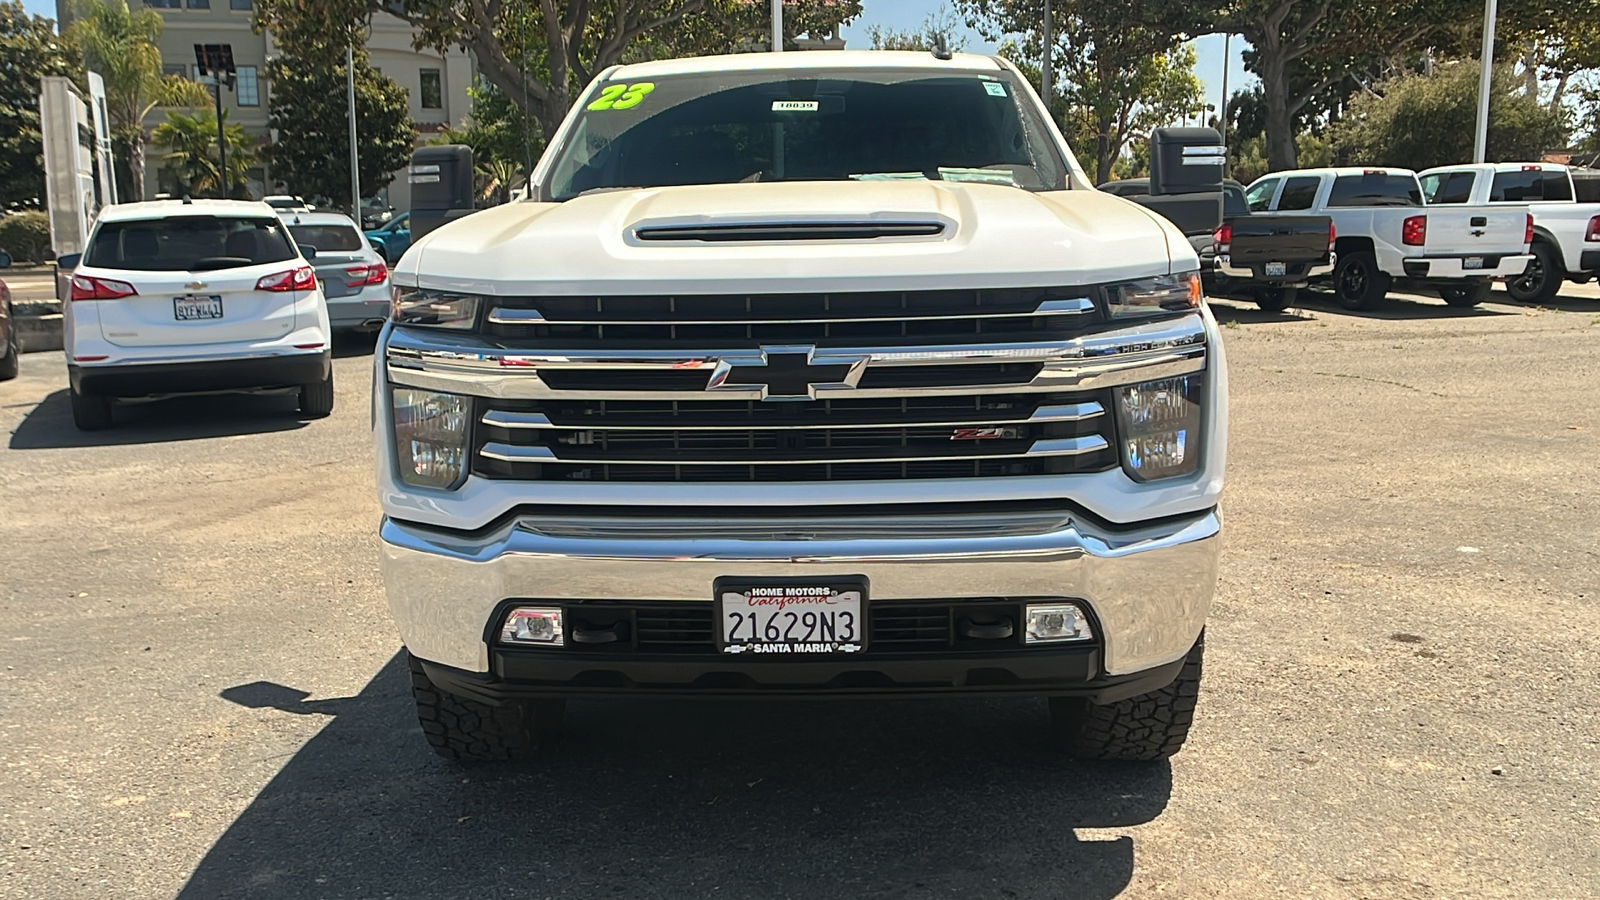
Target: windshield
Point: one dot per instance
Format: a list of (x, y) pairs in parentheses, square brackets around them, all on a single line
[(189, 244), (837, 125), (328, 238)]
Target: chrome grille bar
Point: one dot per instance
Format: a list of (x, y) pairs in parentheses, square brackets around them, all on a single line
[(501, 315), (1075, 446), (1073, 412)]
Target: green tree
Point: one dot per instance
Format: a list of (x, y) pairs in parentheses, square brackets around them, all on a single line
[(121, 46), (941, 24), (29, 51), (540, 55), (496, 129), (1416, 121), (311, 113), (190, 140), (1117, 75)]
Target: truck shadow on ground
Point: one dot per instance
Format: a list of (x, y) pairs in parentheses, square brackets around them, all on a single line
[(961, 798), (1396, 307), (49, 425)]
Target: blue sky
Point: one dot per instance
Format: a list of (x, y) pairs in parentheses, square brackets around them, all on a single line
[(908, 14)]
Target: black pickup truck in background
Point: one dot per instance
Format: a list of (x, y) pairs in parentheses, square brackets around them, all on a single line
[(1267, 259)]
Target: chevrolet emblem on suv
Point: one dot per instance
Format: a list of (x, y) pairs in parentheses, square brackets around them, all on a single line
[(787, 373)]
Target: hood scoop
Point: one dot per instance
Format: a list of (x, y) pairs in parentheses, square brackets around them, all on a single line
[(787, 232)]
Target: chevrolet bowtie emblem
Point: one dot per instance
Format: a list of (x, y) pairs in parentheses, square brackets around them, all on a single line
[(787, 373), (195, 285)]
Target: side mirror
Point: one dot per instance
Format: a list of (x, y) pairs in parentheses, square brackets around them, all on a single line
[(309, 252), (69, 262), (441, 187), (1186, 161)]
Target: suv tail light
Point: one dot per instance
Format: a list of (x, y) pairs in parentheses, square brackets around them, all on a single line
[(1333, 235), (1223, 238), (301, 279), (1593, 234), (86, 288), (1527, 231), (1414, 231), (363, 276)]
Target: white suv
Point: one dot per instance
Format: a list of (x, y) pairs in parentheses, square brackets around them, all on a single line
[(181, 297)]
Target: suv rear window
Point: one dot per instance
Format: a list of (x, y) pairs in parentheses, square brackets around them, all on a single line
[(1530, 184), (1375, 189), (328, 238), (189, 244)]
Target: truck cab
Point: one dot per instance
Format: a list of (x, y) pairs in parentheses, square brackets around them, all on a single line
[(1566, 228), (803, 375), (1387, 234)]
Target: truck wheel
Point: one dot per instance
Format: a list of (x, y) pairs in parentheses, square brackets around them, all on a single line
[(1144, 728), (91, 412), (1276, 299), (1468, 295), (1357, 281), (316, 399), (471, 732), (1540, 281)]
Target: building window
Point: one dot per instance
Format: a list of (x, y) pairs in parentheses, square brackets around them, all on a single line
[(178, 69), (249, 88), (432, 90), (163, 4), (199, 4), (241, 4)]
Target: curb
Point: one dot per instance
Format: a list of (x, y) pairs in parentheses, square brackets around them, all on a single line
[(39, 325)]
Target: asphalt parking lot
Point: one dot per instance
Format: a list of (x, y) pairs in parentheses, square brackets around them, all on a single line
[(202, 697)]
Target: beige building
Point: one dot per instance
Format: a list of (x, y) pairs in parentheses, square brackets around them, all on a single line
[(436, 83)]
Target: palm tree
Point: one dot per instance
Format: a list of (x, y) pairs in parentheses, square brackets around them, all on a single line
[(121, 46), (191, 144), (496, 178)]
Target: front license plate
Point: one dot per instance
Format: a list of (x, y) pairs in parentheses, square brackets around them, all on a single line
[(1277, 269), (188, 309), (1472, 262), (791, 617)]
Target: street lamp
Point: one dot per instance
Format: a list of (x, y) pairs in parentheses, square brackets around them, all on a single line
[(216, 60)]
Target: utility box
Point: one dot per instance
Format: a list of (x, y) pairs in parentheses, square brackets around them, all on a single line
[(441, 187)]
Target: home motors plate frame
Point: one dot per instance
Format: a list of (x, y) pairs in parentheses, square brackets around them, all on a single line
[(783, 603)]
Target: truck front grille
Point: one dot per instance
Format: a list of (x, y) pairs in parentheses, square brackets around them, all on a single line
[(824, 320), (752, 440)]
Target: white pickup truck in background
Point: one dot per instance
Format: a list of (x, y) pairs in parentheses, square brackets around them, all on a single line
[(1386, 233), (1566, 231)]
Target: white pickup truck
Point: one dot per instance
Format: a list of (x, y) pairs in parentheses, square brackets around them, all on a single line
[(1566, 232), (803, 375), (1386, 233)]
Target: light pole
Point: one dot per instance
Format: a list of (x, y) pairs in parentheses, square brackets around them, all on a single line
[(216, 60), (1480, 143), (777, 26), (355, 161), (1046, 63), (1226, 39)]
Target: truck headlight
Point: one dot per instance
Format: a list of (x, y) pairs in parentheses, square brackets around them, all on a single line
[(1154, 296), (435, 309), (430, 437), (1160, 425)]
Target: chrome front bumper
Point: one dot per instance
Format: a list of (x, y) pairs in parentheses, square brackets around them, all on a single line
[(1148, 588)]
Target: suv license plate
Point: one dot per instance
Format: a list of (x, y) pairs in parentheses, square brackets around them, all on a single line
[(791, 617), (1277, 269), (189, 309), (1472, 262)]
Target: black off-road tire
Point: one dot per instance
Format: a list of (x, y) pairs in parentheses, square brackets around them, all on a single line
[(1139, 729), (1541, 280), (11, 361), (316, 398), (1276, 299), (1468, 295), (468, 731), (1358, 283), (90, 412)]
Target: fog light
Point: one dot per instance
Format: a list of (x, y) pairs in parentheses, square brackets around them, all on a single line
[(533, 626), (1050, 622)]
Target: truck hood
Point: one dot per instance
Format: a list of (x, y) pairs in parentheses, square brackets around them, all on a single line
[(828, 236)]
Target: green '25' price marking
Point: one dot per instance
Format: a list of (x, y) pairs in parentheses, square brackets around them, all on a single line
[(622, 96)]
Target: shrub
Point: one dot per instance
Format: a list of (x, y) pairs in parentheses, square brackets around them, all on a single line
[(26, 235)]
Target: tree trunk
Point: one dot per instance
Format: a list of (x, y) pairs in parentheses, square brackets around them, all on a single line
[(1102, 155), (1273, 70), (134, 192)]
